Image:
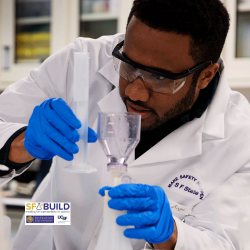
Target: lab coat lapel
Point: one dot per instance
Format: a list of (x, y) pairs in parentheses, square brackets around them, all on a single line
[(112, 102), (184, 142), (108, 71)]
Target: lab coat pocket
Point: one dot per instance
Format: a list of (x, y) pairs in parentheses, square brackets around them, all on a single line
[(179, 210)]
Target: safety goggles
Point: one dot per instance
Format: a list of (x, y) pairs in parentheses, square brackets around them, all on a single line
[(159, 81)]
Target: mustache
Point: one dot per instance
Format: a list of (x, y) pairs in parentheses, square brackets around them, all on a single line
[(138, 103)]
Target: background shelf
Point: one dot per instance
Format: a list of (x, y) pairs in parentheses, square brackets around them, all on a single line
[(33, 20), (98, 17), (244, 7)]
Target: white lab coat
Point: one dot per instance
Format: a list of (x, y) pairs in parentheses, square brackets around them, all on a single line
[(203, 166)]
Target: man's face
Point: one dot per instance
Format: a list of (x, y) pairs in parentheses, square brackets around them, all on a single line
[(162, 50)]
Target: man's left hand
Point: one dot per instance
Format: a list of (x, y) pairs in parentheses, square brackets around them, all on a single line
[(148, 211)]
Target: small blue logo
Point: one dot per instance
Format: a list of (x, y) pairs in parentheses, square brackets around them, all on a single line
[(62, 217), (39, 206)]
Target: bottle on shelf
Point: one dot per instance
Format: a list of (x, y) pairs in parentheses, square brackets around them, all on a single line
[(87, 6), (114, 6)]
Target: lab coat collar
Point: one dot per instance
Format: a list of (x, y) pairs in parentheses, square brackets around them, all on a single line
[(108, 71), (112, 102), (214, 123), (184, 142)]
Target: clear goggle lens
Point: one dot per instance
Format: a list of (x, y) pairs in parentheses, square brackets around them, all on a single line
[(153, 82)]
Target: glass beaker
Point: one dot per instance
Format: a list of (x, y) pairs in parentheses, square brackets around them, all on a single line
[(118, 134)]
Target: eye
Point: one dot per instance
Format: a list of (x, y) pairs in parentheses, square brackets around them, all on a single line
[(129, 67), (158, 77)]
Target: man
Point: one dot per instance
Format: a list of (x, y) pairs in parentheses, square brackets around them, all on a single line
[(188, 177)]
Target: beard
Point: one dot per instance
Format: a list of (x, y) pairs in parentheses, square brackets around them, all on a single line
[(180, 108)]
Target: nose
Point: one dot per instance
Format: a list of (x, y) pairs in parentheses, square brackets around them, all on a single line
[(137, 91), (132, 76)]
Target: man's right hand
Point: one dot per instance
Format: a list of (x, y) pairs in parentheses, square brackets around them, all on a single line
[(52, 131)]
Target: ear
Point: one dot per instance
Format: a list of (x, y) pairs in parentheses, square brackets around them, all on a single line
[(207, 75)]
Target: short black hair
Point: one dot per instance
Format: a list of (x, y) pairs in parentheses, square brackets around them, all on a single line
[(205, 21)]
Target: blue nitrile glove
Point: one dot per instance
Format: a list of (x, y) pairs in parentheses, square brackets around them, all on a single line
[(52, 131), (148, 211)]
